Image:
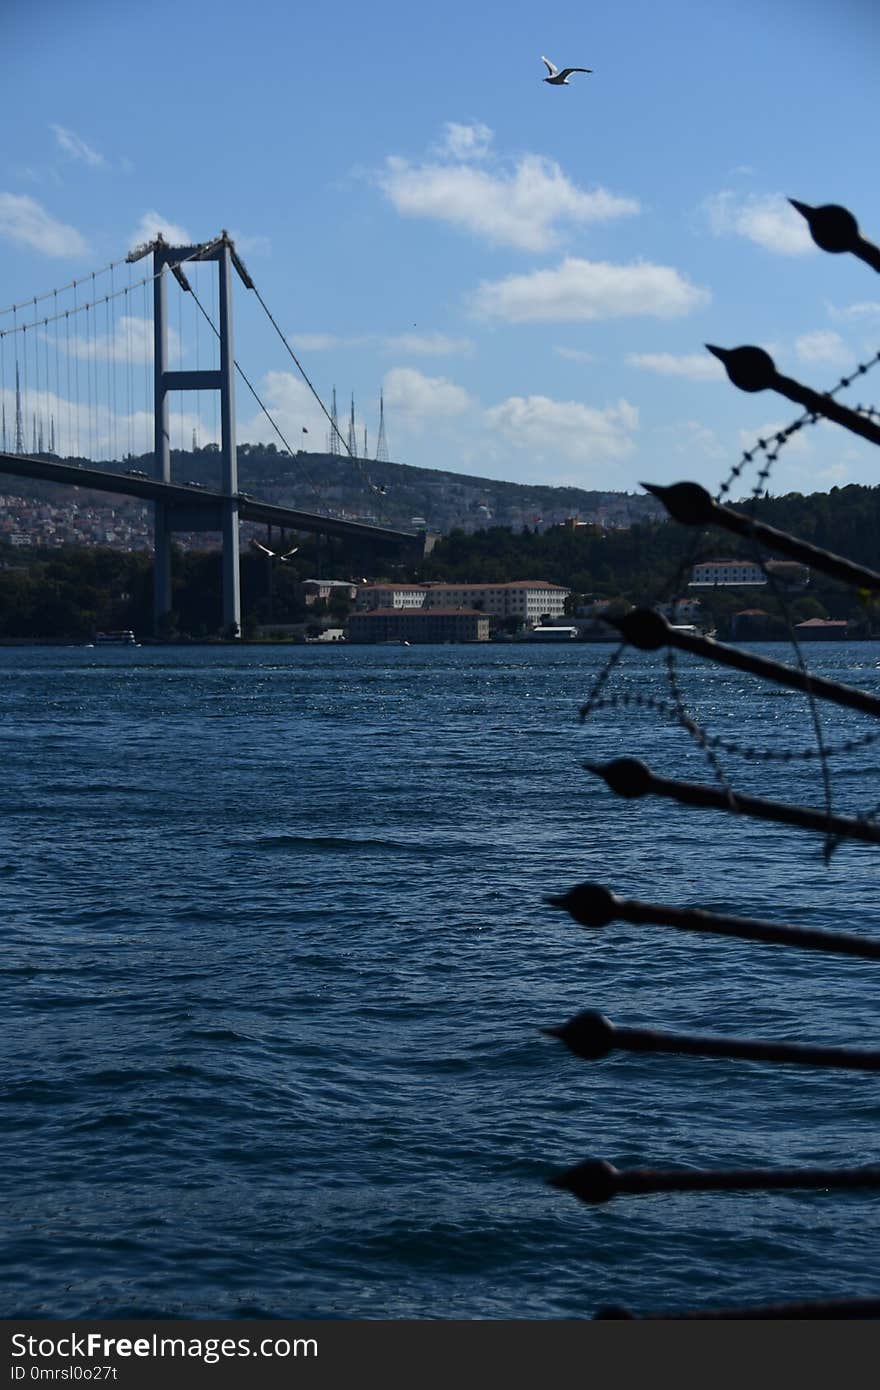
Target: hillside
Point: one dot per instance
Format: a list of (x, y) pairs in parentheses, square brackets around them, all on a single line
[(445, 501)]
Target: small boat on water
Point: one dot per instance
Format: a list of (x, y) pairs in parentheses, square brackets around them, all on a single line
[(123, 637), (546, 633)]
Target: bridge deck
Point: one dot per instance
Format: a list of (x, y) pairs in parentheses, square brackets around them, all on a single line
[(198, 499)]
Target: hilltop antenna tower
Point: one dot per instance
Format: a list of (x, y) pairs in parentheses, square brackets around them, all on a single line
[(5, 450), (381, 441), (51, 434), (352, 432), (333, 440)]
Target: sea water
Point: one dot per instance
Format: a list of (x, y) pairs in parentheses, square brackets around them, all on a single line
[(277, 956)]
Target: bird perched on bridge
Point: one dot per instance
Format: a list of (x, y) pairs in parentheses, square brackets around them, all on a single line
[(557, 78), (275, 554)]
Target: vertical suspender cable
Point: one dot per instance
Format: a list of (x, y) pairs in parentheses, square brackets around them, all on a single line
[(38, 413), (147, 339), (68, 443), (76, 408)]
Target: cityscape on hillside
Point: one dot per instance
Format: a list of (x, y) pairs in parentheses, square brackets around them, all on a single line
[(35, 513)]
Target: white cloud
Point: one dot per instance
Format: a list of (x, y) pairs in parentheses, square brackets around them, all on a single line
[(315, 342), (521, 208), (23, 220), (546, 427), (797, 443), (418, 397), (131, 342), (465, 141), (574, 354), (823, 345), (429, 345), (256, 245), (77, 148), (769, 220), (294, 408), (579, 289), (866, 309), (693, 365), (152, 223), (689, 438)]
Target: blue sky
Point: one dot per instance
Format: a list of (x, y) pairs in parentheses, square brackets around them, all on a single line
[(529, 273)]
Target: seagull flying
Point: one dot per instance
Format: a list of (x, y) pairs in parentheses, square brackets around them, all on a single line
[(557, 78), (275, 554)]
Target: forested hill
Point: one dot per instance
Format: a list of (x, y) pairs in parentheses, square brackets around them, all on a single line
[(394, 494), (845, 520), (72, 591)]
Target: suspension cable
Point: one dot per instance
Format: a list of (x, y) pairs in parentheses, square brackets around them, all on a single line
[(334, 427), (256, 397)]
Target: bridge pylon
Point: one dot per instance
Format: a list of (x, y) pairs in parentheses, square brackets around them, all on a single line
[(167, 516)]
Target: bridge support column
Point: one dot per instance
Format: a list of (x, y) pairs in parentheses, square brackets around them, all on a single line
[(229, 453), (162, 450)]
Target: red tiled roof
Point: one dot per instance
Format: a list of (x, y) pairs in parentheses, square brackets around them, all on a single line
[(713, 564), (508, 584), (439, 612)]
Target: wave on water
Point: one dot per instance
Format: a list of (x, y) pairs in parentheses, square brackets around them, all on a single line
[(275, 987), (348, 844)]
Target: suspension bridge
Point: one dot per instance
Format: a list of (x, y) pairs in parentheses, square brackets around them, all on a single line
[(88, 374)]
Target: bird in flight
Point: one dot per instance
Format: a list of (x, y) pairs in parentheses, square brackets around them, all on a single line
[(557, 78), (275, 554)]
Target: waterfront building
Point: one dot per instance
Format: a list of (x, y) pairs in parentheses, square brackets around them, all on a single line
[(371, 596), (312, 590), (749, 623), (422, 625), (528, 600)]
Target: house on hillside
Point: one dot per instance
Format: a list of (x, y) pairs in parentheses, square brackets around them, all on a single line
[(726, 573)]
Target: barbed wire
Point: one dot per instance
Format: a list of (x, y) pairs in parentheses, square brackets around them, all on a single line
[(770, 447)]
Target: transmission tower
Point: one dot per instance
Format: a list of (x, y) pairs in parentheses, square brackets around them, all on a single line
[(4, 428), (352, 433), (333, 438), (51, 434), (19, 422), (381, 441)]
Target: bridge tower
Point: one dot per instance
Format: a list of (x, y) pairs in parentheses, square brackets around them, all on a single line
[(170, 517)]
